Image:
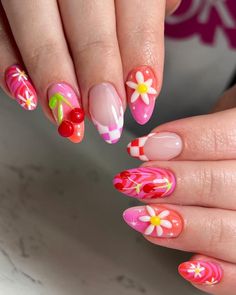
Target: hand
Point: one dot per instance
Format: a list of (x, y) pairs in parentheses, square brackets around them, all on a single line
[(87, 47), (191, 199)]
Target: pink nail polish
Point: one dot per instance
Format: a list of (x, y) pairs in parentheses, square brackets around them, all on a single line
[(141, 88), (201, 272), (67, 112), (21, 87), (155, 221), (145, 182), (161, 146), (106, 111)]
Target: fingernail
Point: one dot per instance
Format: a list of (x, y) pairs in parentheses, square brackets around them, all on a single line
[(156, 146), (67, 112), (141, 88), (106, 111), (201, 272), (145, 182), (21, 88), (155, 221)]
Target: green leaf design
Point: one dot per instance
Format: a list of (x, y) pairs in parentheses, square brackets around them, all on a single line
[(53, 102), (60, 112), (57, 100)]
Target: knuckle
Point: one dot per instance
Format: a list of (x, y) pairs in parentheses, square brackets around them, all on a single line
[(215, 232), (50, 48), (207, 178)]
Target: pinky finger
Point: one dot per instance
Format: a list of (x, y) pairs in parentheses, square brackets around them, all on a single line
[(210, 275), (13, 78)]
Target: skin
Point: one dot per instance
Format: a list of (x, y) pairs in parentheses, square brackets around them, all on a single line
[(209, 141)]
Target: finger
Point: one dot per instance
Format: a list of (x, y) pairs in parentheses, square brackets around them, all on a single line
[(227, 101), (208, 184), (91, 30), (208, 137), (13, 78), (187, 228), (140, 26), (48, 61), (171, 6), (210, 275)]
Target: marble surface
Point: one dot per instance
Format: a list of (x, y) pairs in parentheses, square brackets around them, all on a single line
[(61, 230)]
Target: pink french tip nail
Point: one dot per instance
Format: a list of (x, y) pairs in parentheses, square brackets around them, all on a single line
[(161, 146), (145, 182), (67, 112), (141, 88), (21, 88), (201, 272), (154, 221), (106, 111)]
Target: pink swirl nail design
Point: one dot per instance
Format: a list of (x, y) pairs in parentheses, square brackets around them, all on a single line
[(145, 183), (21, 87), (201, 272)]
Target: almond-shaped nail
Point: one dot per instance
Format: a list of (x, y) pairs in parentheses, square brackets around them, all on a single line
[(161, 146), (155, 221), (21, 88), (106, 111), (67, 112), (201, 272), (145, 182), (141, 88)]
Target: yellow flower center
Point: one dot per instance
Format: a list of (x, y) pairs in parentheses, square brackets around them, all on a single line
[(28, 102), (155, 220), (197, 271), (142, 88)]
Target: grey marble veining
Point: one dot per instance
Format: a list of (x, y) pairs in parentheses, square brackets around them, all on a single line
[(61, 230)]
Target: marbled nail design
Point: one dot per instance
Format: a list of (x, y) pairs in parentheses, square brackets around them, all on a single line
[(66, 111), (21, 87), (201, 272), (141, 88), (161, 146), (145, 182), (106, 111), (155, 221)]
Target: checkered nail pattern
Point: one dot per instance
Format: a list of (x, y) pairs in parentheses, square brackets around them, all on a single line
[(136, 148), (111, 134)]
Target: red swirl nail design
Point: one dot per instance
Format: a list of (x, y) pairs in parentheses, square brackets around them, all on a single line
[(201, 272), (21, 88), (145, 183)]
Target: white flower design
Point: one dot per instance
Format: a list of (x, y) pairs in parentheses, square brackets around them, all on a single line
[(213, 281), (196, 269), (156, 221), (142, 88), (27, 101), (20, 74)]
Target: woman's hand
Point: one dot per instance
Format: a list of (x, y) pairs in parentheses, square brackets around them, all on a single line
[(190, 203), (82, 53)]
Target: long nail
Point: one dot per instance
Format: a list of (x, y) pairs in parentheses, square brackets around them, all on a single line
[(21, 87), (67, 112), (201, 272), (141, 88), (106, 111), (155, 221), (161, 146), (145, 182)]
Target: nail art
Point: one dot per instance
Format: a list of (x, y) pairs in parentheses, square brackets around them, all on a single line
[(145, 183), (67, 112), (162, 146), (201, 272), (106, 112), (141, 88), (21, 87), (155, 221)]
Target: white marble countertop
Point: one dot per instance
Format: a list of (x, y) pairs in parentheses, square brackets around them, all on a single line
[(61, 230)]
